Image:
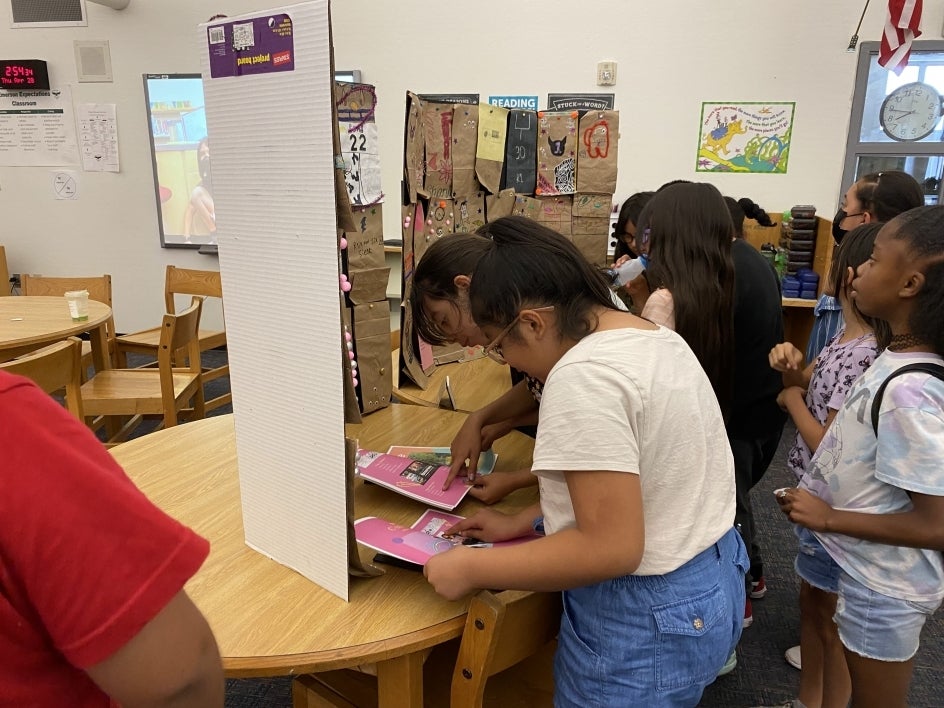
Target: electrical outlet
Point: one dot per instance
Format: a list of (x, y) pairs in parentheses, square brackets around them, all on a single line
[(606, 73)]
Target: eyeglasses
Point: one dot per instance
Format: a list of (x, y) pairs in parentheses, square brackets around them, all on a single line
[(493, 349)]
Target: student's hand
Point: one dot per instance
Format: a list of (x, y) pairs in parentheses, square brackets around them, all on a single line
[(787, 394), (447, 573), (620, 261), (488, 525), (494, 487), (465, 449), (785, 357), (805, 509)]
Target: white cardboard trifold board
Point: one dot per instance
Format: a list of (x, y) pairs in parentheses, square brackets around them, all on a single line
[(268, 86)]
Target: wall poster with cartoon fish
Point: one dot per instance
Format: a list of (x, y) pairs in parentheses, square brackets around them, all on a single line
[(745, 137)]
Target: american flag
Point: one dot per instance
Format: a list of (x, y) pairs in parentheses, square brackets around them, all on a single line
[(901, 28)]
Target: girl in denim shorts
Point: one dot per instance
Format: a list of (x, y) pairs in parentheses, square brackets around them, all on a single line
[(874, 496), (636, 483)]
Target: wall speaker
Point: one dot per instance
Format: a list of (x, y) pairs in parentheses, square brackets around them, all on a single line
[(92, 61)]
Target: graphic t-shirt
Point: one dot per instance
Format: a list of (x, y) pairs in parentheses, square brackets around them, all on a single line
[(838, 367), (855, 470)]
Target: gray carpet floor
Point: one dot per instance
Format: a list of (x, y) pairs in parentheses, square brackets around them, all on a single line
[(762, 677)]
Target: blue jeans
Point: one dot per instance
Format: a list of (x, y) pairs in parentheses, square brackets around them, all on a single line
[(652, 640)]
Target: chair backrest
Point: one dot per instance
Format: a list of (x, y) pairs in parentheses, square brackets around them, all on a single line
[(179, 332), (5, 288), (53, 368), (500, 631), (185, 281)]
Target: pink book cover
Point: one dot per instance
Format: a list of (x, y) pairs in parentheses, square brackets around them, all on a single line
[(421, 541), (413, 478)]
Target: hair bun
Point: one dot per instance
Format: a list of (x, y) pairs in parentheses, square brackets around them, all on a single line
[(753, 211)]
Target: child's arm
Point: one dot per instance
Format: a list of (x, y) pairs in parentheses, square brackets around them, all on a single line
[(490, 488), (793, 401), (607, 542), (788, 360), (922, 527)]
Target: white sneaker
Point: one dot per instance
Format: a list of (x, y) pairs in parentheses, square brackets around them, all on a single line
[(792, 655)]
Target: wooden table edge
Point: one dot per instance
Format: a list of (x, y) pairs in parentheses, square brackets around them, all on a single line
[(347, 657)]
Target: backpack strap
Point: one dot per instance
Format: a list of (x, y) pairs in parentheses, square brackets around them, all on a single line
[(935, 370)]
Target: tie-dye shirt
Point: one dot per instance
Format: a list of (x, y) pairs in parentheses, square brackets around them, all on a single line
[(855, 471), (838, 366)]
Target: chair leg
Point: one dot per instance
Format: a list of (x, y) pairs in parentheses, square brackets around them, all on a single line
[(309, 692)]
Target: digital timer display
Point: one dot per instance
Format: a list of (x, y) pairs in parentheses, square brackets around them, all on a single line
[(23, 74)]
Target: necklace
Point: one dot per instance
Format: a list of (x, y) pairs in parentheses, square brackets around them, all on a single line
[(903, 341)]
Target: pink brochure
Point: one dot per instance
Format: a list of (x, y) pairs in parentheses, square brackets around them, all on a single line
[(413, 478)]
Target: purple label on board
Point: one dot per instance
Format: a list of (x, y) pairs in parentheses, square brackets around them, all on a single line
[(259, 45)]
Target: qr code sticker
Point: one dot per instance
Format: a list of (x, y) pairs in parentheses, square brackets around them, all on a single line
[(243, 37), (217, 35)]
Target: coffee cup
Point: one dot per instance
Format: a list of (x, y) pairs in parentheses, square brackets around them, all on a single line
[(78, 305)]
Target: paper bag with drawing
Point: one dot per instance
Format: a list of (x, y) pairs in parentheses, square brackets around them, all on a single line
[(557, 153), (465, 121), (470, 213), (437, 130), (359, 142), (521, 152), (555, 213), (490, 149), (596, 155), (413, 147), (365, 247)]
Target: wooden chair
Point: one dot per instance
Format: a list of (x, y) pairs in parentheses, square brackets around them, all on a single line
[(54, 368), (181, 281), (165, 391), (5, 284), (99, 289), (509, 638)]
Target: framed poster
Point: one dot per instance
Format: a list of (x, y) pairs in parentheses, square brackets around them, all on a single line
[(744, 137)]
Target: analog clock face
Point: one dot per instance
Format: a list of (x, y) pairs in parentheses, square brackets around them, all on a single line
[(910, 112)]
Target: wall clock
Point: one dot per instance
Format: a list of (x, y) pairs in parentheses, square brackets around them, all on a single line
[(910, 112)]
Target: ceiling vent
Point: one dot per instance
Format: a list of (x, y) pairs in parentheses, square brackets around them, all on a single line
[(55, 13)]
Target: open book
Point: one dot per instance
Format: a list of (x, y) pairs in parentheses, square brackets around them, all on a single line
[(421, 541), (442, 456), (413, 478)]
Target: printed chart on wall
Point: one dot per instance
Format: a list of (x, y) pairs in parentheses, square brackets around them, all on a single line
[(745, 137)]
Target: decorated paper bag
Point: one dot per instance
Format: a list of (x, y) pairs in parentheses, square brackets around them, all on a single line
[(470, 213), (440, 219), (490, 150), (414, 145), (365, 248), (596, 155), (352, 409), (437, 130), (521, 152), (555, 213), (499, 205), (423, 231), (410, 364), (368, 285), (527, 206), (372, 354), (359, 144), (465, 122), (557, 153), (591, 235)]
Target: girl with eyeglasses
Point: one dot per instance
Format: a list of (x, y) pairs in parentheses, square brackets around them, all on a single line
[(636, 479)]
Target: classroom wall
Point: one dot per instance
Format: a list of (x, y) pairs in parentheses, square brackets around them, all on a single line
[(671, 57)]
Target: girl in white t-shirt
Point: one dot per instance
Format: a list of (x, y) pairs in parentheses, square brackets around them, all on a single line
[(874, 497), (636, 479)]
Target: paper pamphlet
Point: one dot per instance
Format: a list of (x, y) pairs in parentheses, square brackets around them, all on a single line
[(421, 541), (442, 456), (413, 478)]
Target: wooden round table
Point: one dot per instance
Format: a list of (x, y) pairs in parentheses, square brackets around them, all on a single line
[(268, 619), (31, 321)]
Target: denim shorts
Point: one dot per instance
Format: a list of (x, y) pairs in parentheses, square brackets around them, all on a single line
[(652, 640), (877, 626), (813, 564)]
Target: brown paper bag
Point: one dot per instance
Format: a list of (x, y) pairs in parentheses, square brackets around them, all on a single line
[(555, 213), (437, 130), (557, 153), (499, 205), (596, 156), (465, 122), (521, 152), (360, 149), (355, 566), (409, 358), (352, 410), (372, 348), (526, 206), (413, 147), (599, 206), (369, 285), (423, 231), (490, 150), (470, 213), (591, 235), (365, 247), (441, 218)]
